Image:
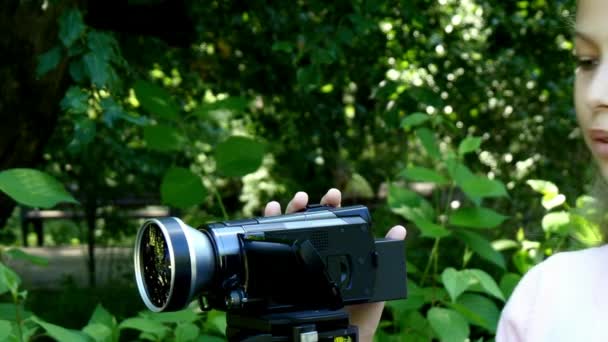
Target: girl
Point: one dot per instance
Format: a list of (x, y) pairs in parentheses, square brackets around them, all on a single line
[(564, 298)]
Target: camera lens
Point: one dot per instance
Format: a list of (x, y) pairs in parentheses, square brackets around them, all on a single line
[(156, 264), (173, 263)]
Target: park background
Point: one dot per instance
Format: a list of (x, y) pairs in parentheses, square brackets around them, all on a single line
[(454, 118)]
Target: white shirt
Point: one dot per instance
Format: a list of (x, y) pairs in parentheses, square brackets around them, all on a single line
[(564, 298)]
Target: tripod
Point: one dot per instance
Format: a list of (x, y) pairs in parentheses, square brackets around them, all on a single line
[(300, 326)]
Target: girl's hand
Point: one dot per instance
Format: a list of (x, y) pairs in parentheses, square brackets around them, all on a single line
[(365, 316)]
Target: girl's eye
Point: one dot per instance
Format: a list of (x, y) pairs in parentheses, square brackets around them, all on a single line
[(586, 63)]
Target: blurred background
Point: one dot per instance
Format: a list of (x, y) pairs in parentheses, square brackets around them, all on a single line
[(454, 118)]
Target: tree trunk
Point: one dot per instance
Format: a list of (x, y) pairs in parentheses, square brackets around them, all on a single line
[(28, 106)]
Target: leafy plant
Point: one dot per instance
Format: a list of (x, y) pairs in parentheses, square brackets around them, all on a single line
[(449, 297)]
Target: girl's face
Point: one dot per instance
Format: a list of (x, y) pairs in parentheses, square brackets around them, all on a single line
[(591, 86)]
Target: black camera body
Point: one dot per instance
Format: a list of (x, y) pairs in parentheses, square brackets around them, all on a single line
[(320, 259)]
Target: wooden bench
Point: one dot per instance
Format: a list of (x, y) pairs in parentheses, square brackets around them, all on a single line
[(127, 208)]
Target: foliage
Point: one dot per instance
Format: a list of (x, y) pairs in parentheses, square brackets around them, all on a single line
[(433, 100)]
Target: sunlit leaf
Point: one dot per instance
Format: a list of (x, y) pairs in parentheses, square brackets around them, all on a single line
[(456, 283), (414, 119), (75, 100), (482, 247), (181, 188), (19, 254), (238, 156), (449, 325), (422, 174), (508, 282), (545, 188), (478, 310), (430, 229), (557, 222), (48, 61), (428, 140), (186, 332), (468, 145), (163, 138), (33, 188), (156, 100), (97, 69), (146, 326), (6, 328), (483, 187), (60, 333), (71, 26), (482, 218)]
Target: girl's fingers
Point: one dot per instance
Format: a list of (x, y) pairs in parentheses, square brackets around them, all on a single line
[(272, 209), (333, 197), (299, 202)]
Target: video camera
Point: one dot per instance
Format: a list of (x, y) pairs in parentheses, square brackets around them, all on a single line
[(279, 278)]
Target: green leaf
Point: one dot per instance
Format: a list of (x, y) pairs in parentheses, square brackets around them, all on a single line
[(186, 315), (33, 188), (19, 254), (102, 316), (238, 156), (163, 138), (482, 247), (478, 310), (430, 229), (8, 310), (77, 70), (482, 187), (459, 172), (146, 326), (9, 280), (6, 328), (428, 140), (543, 187), (456, 283), (60, 333), (113, 111), (99, 332), (48, 61), (551, 202), (557, 222), (84, 132), (283, 46), (413, 120), (468, 145), (216, 321), (409, 204), (482, 218), (97, 69), (418, 327), (75, 101), (508, 282), (102, 45), (182, 188), (222, 110), (156, 100), (71, 27), (210, 338), (422, 174), (186, 332), (488, 285), (449, 325)]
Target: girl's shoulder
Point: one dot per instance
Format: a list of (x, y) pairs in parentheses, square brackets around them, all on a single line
[(574, 262)]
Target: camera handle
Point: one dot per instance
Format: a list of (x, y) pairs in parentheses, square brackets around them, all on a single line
[(301, 326)]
